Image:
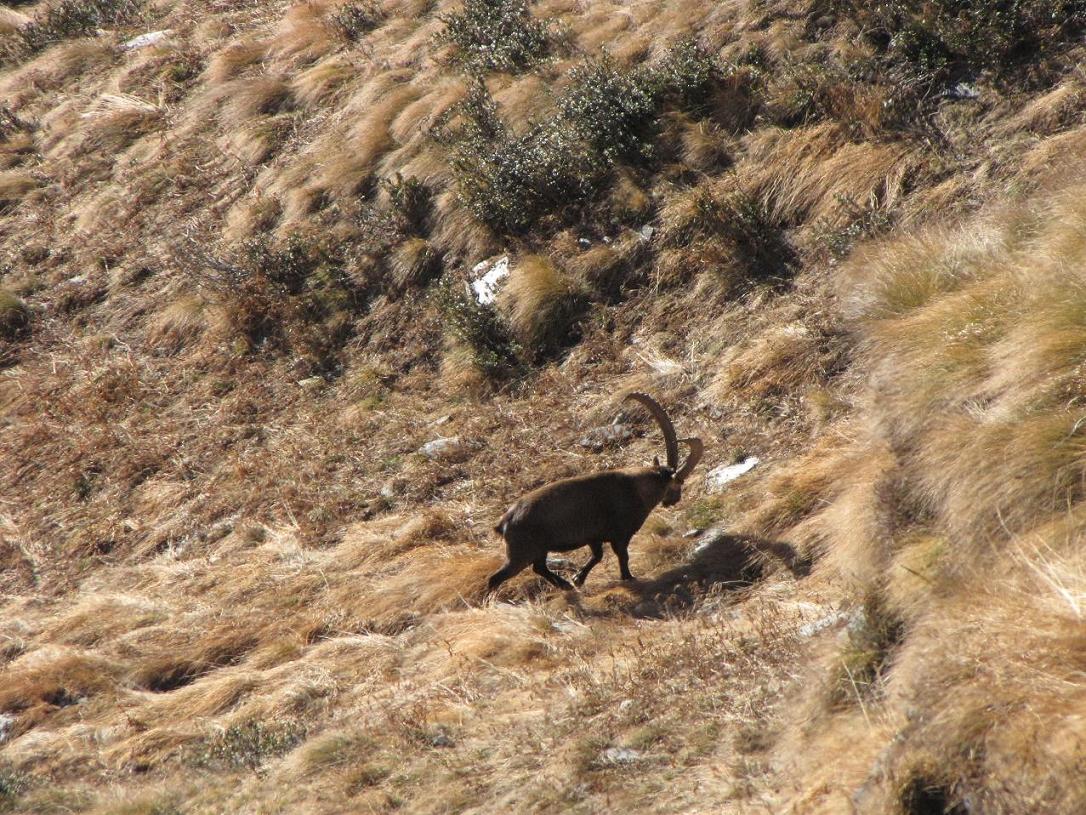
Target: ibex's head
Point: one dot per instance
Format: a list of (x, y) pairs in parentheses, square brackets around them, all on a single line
[(676, 475)]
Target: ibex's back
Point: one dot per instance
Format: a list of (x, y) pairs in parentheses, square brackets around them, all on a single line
[(590, 510), (601, 506)]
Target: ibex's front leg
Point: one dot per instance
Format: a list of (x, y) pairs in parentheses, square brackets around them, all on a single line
[(597, 556), (540, 567), (621, 549)]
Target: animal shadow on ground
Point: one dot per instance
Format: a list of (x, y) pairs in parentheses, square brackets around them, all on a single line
[(722, 563)]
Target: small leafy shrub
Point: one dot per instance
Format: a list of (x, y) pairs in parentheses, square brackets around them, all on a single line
[(860, 222), (496, 35), (480, 328), (14, 316), (604, 118), (949, 39), (245, 747), (73, 18), (10, 123), (292, 297), (352, 21), (745, 223), (410, 202), (611, 110), (402, 210), (12, 785)]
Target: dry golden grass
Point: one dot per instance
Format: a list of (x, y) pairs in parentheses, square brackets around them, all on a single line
[(14, 186), (538, 300), (232, 582)]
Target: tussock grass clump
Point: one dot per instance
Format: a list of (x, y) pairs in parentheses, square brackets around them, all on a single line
[(541, 303), (496, 35), (14, 187), (14, 316)]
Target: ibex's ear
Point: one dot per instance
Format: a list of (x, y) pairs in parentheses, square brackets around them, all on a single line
[(655, 461)]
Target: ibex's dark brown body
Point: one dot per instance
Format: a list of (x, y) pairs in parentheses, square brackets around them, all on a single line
[(591, 510)]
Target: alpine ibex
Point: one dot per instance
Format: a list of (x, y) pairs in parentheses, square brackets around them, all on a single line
[(590, 510)]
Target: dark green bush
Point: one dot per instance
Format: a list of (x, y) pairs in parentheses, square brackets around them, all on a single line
[(72, 18), (12, 785), (605, 117), (860, 222), (496, 35), (480, 328), (245, 747), (353, 20), (612, 110), (949, 39)]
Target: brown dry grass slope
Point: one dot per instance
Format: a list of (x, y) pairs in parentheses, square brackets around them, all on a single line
[(233, 312)]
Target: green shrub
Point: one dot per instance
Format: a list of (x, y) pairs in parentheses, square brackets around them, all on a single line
[(605, 117), (611, 110), (246, 746), (14, 316), (12, 785), (73, 18), (949, 39), (352, 21), (496, 35), (480, 328), (860, 222), (744, 222), (10, 123)]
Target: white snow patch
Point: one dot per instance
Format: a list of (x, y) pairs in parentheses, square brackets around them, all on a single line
[(143, 40), (718, 477), (489, 277)]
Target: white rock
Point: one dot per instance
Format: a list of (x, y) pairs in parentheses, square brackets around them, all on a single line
[(6, 721), (615, 756), (646, 232), (489, 276), (442, 447), (718, 477), (599, 437), (812, 628), (143, 40)]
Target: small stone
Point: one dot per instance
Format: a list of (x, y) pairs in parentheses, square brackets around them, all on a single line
[(646, 232), (609, 435), (443, 448), (618, 756)]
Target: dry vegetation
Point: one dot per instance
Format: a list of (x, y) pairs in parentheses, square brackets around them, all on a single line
[(845, 238)]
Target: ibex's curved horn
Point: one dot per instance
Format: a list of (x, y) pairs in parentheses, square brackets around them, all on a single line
[(666, 427), (697, 450)]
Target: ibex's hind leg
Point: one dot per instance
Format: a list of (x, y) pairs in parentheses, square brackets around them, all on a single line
[(540, 567), (622, 550), (510, 569), (597, 556)]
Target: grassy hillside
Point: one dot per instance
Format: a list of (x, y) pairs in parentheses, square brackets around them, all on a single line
[(844, 238)]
